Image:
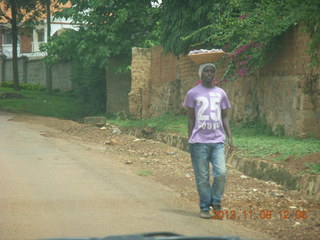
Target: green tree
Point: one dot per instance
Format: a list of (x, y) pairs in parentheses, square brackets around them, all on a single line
[(180, 19), (246, 29), (106, 29), (19, 15), (109, 28)]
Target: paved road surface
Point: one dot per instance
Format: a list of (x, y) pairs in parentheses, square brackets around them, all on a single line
[(55, 187)]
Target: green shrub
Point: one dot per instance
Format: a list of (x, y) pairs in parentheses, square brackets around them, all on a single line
[(7, 84), (90, 87), (25, 86), (32, 86)]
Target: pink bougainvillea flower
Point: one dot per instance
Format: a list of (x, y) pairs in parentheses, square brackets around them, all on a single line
[(241, 72), (241, 49), (226, 47), (243, 16)]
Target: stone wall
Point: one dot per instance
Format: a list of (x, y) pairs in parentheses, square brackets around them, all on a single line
[(139, 96), (165, 85), (34, 71), (285, 93), (159, 82)]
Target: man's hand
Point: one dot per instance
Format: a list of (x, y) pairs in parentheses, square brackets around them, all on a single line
[(230, 145), (225, 122)]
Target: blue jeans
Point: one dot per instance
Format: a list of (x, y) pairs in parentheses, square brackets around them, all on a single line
[(201, 155)]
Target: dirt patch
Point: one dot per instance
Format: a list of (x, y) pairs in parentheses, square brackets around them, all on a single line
[(301, 164), (260, 205)]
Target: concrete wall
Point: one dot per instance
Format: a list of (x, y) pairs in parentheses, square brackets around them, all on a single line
[(61, 76), (34, 71), (286, 92), (118, 86)]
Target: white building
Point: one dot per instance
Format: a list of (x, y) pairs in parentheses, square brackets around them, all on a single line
[(29, 44)]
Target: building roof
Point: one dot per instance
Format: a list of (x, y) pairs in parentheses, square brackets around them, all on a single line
[(5, 12)]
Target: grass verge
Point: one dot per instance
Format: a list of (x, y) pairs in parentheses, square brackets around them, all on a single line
[(167, 122), (254, 139), (258, 141), (59, 105), (313, 168)]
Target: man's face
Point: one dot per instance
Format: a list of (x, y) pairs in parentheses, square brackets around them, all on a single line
[(208, 74)]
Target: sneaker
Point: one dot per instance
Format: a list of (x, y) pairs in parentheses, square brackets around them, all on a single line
[(216, 212), (206, 214), (216, 207)]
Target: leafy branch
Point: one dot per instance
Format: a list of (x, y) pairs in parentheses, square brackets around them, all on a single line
[(247, 30)]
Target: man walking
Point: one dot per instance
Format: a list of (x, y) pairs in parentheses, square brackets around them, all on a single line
[(207, 125)]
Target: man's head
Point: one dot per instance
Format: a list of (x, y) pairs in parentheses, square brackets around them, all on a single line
[(207, 72)]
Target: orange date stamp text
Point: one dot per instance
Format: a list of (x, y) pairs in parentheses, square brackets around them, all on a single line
[(261, 214)]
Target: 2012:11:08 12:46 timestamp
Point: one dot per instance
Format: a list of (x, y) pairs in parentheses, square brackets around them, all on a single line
[(262, 214)]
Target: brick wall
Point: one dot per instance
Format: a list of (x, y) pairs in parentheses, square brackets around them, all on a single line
[(139, 96), (164, 85), (286, 92), (26, 42)]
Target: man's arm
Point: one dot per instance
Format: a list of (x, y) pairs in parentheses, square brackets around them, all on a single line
[(191, 120), (226, 126)]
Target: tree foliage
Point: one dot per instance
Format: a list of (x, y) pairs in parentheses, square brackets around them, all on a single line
[(106, 29), (21, 16), (246, 29), (13, 12), (28, 11)]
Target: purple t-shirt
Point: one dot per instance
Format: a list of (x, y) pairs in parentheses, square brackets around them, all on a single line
[(207, 104)]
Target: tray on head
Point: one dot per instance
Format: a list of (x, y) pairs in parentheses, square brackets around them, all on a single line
[(209, 57)]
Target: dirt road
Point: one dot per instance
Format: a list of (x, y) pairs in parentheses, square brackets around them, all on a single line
[(57, 187)]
